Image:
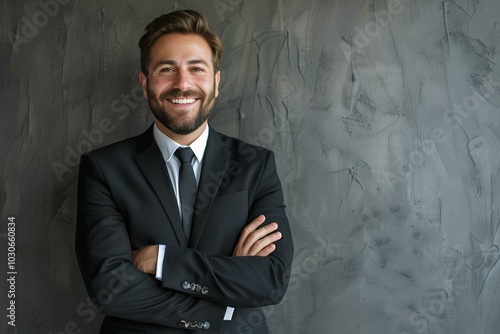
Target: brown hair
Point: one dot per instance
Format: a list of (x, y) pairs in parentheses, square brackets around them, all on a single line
[(184, 22)]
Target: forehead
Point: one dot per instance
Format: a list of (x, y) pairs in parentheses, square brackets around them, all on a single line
[(180, 48)]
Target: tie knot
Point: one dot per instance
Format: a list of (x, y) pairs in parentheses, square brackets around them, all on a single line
[(185, 154)]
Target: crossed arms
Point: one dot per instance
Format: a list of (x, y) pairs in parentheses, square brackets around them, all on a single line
[(253, 241), (118, 278)]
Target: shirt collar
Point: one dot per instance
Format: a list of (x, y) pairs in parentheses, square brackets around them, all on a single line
[(168, 146)]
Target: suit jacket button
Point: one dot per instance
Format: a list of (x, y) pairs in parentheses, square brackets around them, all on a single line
[(183, 324), (198, 288), (204, 290), (206, 325), (193, 324), (186, 285)]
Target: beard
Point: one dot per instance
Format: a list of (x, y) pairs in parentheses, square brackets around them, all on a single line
[(173, 120)]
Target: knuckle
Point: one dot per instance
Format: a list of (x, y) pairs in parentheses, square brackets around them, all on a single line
[(254, 235)]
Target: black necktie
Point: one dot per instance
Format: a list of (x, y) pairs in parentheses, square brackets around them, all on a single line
[(187, 187)]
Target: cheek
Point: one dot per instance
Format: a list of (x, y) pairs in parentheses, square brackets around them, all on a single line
[(209, 87), (157, 87)]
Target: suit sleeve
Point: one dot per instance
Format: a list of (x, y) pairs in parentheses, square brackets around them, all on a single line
[(115, 286), (239, 281)]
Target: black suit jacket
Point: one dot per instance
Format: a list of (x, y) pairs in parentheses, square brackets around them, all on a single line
[(126, 201)]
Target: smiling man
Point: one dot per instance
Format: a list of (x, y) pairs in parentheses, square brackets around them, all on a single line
[(182, 228), (181, 85)]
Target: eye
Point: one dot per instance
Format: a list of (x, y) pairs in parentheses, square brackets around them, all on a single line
[(166, 69), (198, 69)]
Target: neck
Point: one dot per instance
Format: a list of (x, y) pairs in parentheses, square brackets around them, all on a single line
[(182, 139)]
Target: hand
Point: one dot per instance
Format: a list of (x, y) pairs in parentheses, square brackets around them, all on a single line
[(255, 241), (145, 259)]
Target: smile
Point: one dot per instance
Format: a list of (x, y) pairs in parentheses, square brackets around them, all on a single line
[(182, 101)]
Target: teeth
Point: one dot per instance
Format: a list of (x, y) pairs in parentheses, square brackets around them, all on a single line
[(182, 101)]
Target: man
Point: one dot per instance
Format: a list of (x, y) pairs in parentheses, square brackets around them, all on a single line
[(153, 263)]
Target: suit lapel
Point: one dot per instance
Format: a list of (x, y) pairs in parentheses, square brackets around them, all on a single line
[(150, 161), (215, 162)]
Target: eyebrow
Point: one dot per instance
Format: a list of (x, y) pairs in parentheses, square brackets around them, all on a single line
[(174, 63)]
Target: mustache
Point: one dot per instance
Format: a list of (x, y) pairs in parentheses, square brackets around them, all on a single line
[(177, 94)]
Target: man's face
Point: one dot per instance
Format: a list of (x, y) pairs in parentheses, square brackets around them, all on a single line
[(181, 85)]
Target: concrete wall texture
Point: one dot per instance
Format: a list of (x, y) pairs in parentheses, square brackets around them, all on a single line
[(384, 116)]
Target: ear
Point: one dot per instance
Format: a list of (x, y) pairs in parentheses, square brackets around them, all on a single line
[(144, 83), (217, 80)]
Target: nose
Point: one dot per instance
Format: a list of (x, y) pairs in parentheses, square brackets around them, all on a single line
[(182, 80)]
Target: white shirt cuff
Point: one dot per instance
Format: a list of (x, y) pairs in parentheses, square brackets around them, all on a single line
[(229, 313), (159, 262)]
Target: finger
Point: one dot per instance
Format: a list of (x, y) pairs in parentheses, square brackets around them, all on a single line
[(254, 224), (262, 232), (267, 250), (253, 240), (263, 243)]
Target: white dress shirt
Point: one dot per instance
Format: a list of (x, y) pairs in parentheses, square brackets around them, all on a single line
[(168, 147)]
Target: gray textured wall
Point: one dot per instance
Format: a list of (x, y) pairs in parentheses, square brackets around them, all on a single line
[(384, 114)]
